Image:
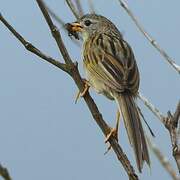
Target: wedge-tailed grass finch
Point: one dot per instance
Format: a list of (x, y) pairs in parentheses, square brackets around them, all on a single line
[(111, 70)]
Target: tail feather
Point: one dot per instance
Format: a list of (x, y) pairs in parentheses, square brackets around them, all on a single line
[(134, 128), (144, 146)]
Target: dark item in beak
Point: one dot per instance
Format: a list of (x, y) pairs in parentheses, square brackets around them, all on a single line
[(73, 29), (69, 28)]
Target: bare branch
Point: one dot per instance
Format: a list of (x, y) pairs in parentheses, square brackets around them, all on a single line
[(149, 38), (4, 173), (163, 160), (79, 7), (73, 8), (32, 48)]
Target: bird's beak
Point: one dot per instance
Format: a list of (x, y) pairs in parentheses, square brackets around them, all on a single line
[(76, 27)]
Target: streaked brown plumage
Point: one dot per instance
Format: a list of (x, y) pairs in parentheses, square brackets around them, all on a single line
[(111, 70)]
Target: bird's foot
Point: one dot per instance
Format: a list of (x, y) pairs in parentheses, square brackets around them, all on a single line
[(85, 90), (113, 133)]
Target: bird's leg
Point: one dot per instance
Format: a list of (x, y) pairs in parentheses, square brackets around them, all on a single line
[(113, 131), (86, 88)]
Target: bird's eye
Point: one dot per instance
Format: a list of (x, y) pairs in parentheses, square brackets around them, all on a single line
[(87, 22)]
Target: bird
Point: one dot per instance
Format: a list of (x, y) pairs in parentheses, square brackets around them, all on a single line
[(111, 70)]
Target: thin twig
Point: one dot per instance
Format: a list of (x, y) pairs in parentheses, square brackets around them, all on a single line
[(73, 71), (152, 108), (177, 115), (54, 15), (79, 7), (73, 8), (4, 173), (32, 48), (91, 6), (163, 160), (149, 38)]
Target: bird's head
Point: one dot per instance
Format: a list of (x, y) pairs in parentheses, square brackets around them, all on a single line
[(89, 24)]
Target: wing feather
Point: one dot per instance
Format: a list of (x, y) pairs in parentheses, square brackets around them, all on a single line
[(112, 62)]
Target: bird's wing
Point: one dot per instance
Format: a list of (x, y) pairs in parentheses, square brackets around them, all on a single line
[(111, 60)]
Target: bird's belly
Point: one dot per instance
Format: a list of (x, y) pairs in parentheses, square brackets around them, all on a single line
[(98, 85)]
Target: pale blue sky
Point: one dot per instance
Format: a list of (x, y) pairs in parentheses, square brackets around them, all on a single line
[(43, 134)]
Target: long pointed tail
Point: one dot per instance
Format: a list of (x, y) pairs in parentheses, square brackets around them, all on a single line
[(134, 128)]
